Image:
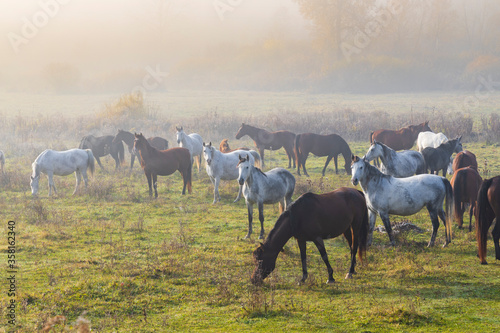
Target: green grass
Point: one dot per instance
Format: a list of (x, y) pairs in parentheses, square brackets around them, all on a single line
[(128, 263)]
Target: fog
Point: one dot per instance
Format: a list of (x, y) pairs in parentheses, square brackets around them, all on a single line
[(281, 45)]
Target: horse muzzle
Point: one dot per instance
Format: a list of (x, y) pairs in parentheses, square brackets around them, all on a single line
[(209, 161), (241, 181), (354, 181)]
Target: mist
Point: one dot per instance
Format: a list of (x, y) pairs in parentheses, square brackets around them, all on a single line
[(92, 46)]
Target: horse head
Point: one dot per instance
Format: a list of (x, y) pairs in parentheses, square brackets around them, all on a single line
[(208, 152), (34, 184), (244, 169), (138, 143), (358, 166), (265, 261), (180, 134), (241, 132), (375, 150), (224, 146)]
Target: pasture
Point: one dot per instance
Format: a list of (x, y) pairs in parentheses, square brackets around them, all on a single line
[(126, 262)]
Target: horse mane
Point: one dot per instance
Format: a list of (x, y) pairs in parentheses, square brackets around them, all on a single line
[(259, 170)]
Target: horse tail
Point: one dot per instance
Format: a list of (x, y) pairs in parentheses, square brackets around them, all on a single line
[(90, 161), (256, 157), (448, 207), (363, 232), (483, 211), (296, 150)]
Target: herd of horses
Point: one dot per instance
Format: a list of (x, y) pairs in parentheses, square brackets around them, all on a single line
[(400, 185)]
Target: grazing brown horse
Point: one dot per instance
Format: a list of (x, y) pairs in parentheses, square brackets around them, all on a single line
[(403, 138), (224, 147), (465, 183), (163, 163), (488, 209), (464, 159), (321, 145), (269, 140), (314, 217)]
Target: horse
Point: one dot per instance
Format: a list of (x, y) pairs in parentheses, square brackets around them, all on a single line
[(488, 209), (269, 140), (465, 183), (193, 142), (464, 159), (223, 166), (2, 161), (62, 163), (102, 146), (330, 145), (439, 158), (402, 139), (276, 185), (128, 138), (314, 217), (163, 163), (430, 139), (397, 164), (386, 195), (224, 147)]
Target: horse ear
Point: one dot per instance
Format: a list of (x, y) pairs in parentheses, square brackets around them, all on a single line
[(248, 158), (210, 144), (203, 144), (353, 158)]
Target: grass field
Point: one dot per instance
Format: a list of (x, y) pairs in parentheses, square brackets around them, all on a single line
[(128, 263)]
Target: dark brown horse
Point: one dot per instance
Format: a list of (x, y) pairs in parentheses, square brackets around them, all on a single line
[(269, 140), (224, 147), (403, 138), (314, 217), (321, 145), (465, 183), (488, 209), (127, 137), (163, 163), (102, 146), (464, 159)]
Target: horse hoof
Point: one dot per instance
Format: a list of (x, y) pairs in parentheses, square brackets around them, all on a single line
[(261, 237), (247, 236), (330, 281), (348, 276), (446, 244), (484, 263)]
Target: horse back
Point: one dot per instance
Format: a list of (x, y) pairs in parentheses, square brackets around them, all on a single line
[(166, 162), (397, 140), (464, 159)]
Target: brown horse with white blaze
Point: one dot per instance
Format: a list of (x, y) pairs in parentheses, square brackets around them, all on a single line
[(315, 217), (330, 145), (402, 139), (163, 163), (269, 140), (488, 210)]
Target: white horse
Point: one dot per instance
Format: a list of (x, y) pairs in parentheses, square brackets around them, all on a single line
[(397, 164), (62, 163), (430, 139), (224, 166), (276, 185), (386, 195), (193, 142), (2, 161)]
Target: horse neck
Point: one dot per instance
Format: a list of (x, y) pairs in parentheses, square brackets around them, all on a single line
[(253, 132), (372, 177), (147, 151), (281, 233), (36, 170), (388, 154), (126, 137)]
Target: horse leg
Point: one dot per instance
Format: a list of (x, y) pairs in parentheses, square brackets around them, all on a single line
[(50, 176), (496, 239), (261, 219), (78, 179), (353, 245), (435, 225), (460, 217), (240, 190), (155, 184), (388, 228), (85, 178), (250, 218), (216, 190), (471, 212), (132, 159), (442, 216), (261, 152), (304, 164), (372, 216), (328, 159), (149, 177), (302, 248), (99, 162), (322, 251)]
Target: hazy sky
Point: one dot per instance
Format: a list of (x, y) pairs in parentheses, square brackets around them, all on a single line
[(102, 36)]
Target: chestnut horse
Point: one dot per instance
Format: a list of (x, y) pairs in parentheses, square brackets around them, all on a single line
[(330, 145), (163, 163), (488, 209), (464, 159), (269, 140), (314, 217), (224, 147), (403, 138), (465, 183)]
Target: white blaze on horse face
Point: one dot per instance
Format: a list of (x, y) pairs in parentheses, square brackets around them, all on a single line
[(180, 136), (243, 172)]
